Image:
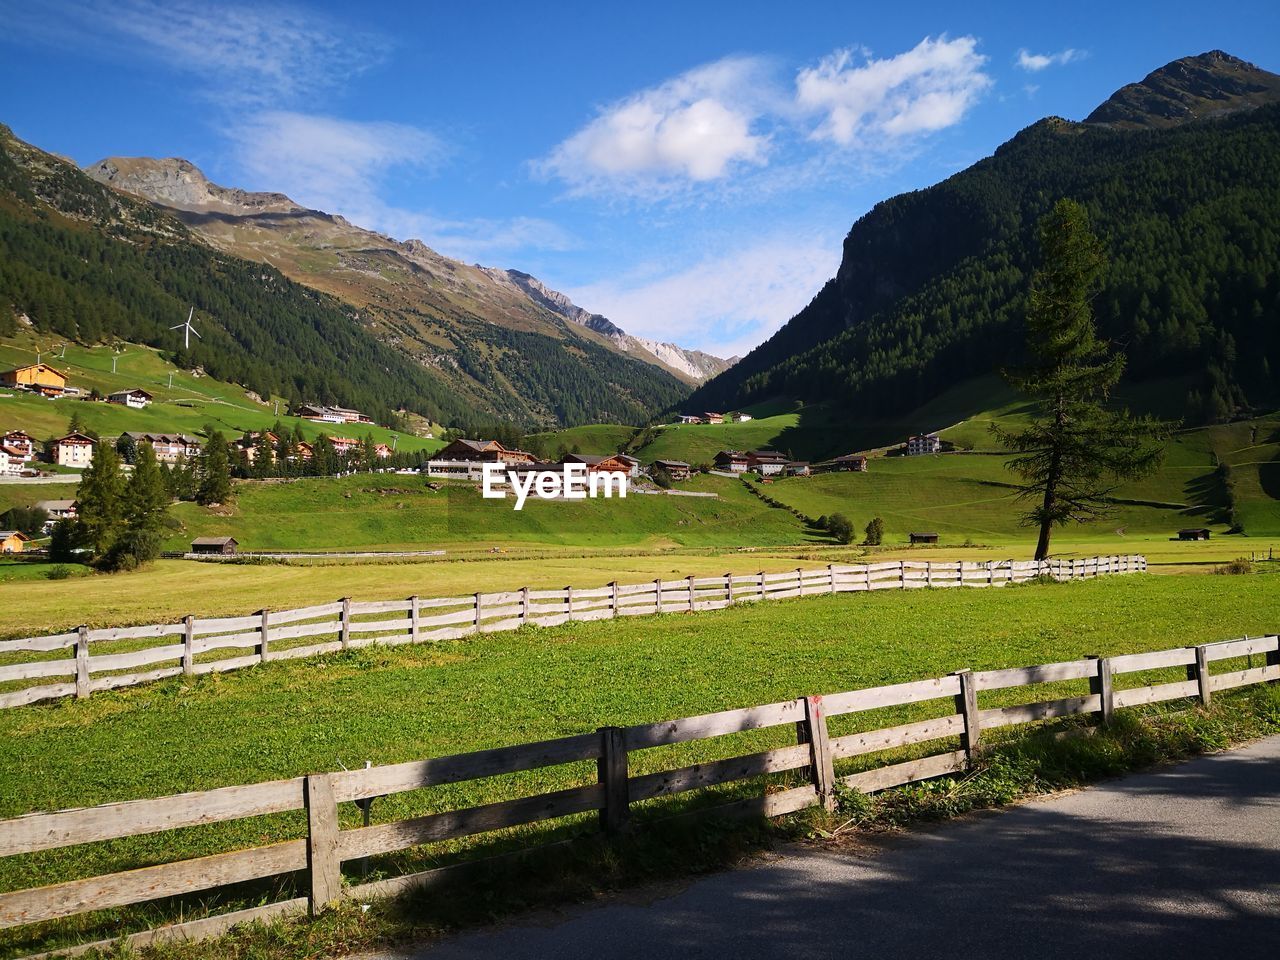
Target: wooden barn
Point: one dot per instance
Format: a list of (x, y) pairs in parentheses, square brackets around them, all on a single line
[(1194, 533), (924, 538), (223, 546)]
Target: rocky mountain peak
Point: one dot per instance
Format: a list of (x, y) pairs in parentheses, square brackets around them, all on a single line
[(180, 184), (1208, 85)]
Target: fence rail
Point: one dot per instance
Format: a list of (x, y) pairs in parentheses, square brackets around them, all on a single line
[(97, 659), (319, 856)]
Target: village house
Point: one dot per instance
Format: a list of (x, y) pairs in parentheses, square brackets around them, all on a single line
[(321, 414), (168, 447), (675, 469), (923, 537), (465, 459), (850, 462), (56, 510), (345, 446), (610, 464), (732, 460), (767, 463), (8, 463), (740, 417), (134, 399), (73, 450), (21, 443), (923, 443), (633, 464), (37, 377), (248, 445), (797, 468), (688, 418), (1194, 533), (223, 546), (713, 417), (303, 451), (11, 541)]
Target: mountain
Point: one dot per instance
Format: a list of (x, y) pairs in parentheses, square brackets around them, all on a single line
[(1181, 177), (429, 292), (692, 364), (83, 260)]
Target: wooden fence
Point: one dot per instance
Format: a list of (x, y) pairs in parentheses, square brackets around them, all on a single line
[(318, 858), (86, 660)]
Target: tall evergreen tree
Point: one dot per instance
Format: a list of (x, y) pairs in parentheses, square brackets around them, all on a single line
[(146, 494), (100, 501), (215, 473), (1075, 450)]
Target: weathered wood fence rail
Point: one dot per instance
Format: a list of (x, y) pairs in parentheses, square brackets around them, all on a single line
[(318, 858), (105, 659)]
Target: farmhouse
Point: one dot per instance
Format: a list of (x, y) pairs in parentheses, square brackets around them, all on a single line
[(134, 399), (675, 469), (21, 443), (612, 464), (57, 510), (797, 468), (713, 417), (850, 462), (633, 464), (321, 414), (344, 446), (924, 537), (733, 461), (740, 417), (923, 443), (7, 462), (38, 377), (1194, 533), (168, 447), (466, 458), (224, 546), (767, 463), (248, 445), (73, 450), (11, 541), (688, 418)]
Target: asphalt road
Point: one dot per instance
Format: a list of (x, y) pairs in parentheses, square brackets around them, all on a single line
[(1184, 862)]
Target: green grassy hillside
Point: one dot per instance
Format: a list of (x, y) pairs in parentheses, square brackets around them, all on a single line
[(401, 512), (185, 407), (597, 439)]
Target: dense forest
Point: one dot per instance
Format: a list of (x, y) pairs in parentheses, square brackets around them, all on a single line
[(86, 263), (932, 285)]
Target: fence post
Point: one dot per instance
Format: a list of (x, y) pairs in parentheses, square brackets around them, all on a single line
[(967, 707), (728, 588), (613, 599), (415, 619), (323, 865), (1100, 683), (902, 574), (831, 575), (928, 573), (799, 581), (611, 771), (761, 577), (344, 628), (265, 630), (188, 645), (1200, 673), (479, 615), (657, 591), (691, 595), (821, 764), (568, 601), (524, 605), (82, 662)]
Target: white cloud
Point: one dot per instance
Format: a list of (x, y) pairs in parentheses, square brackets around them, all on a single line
[(725, 304), (875, 103), (1035, 62), (698, 126), (243, 53)]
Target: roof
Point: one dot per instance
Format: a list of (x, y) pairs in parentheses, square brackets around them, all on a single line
[(922, 533), (76, 438), (19, 433), (213, 541), (627, 457), (670, 463), (6, 534), (130, 390), (849, 456), (1194, 530), (48, 505)]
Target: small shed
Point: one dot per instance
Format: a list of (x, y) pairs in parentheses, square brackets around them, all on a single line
[(11, 541), (924, 538), (216, 545), (1194, 533)]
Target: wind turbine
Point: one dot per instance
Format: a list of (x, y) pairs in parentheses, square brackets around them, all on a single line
[(115, 355), (187, 330)]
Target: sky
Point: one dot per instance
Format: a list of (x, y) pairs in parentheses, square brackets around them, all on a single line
[(687, 169)]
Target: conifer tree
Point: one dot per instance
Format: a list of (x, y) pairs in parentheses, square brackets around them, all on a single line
[(100, 501), (1075, 451), (215, 473), (146, 494)]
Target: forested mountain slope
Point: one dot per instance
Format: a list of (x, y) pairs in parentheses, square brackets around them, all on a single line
[(930, 291)]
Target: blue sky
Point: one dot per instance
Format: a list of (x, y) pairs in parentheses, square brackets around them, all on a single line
[(688, 169)]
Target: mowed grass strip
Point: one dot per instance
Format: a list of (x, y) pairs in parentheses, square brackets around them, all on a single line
[(388, 706)]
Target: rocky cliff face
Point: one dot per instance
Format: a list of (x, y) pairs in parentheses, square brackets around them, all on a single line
[(180, 184)]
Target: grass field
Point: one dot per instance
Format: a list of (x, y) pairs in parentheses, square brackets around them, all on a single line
[(186, 407), (392, 705)]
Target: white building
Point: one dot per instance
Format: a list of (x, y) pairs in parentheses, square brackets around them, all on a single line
[(923, 443), (73, 450), (134, 398)]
